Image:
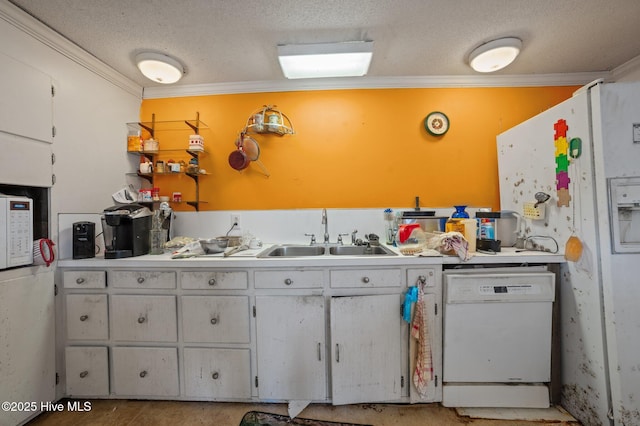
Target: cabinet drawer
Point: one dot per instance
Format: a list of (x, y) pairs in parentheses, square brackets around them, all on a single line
[(87, 371), (142, 279), (288, 279), (87, 317), (366, 278), (84, 279), (145, 371), (143, 318), (217, 373), (214, 280), (220, 319), (421, 276)]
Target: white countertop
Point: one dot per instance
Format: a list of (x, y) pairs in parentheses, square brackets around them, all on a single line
[(247, 258)]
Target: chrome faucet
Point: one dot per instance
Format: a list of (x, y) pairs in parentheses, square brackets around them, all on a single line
[(325, 222)]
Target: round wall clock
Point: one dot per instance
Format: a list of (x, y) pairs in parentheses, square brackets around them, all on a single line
[(436, 123)]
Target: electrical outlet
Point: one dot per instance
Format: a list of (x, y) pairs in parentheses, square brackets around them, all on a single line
[(235, 220), (533, 212)]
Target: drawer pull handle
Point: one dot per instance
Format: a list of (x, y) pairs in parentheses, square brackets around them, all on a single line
[(337, 352), (288, 281), (140, 280), (215, 375), (319, 351), (141, 320), (365, 280), (143, 373), (80, 280), (84, 374), (214, 320), (212, 281), (84, 317)]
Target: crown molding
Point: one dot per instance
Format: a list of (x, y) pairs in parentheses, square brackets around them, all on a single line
[(36, 29), (576, 79), (631, 66)]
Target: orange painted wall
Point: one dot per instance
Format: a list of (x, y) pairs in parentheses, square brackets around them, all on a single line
[(364, 148)]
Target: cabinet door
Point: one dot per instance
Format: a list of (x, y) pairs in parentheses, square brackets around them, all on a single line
[(87, 371), (27, 343), (217, 373), (216, 319), (143, 318), (365, 349), (87, 317), (145, 371), (291, 347), (30, 112)]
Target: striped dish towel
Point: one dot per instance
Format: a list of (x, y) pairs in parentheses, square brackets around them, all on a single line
[(423, 373)]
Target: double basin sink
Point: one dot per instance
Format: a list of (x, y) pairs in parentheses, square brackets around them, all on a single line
[(290, 250)]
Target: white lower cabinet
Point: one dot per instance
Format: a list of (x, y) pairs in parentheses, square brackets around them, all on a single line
[(291, 347), (321, 334), (141, 371), (87, 371), (366, 349), (217, 373)]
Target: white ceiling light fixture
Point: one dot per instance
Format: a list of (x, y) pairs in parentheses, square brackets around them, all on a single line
[(159, 67), (347, 59), (495, 55)]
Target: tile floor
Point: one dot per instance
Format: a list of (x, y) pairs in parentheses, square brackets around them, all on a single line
[(160, 413)]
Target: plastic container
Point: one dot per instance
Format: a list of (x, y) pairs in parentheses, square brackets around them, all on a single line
[(158, 238), (470, 231), (134, 141), (487, 229), (455, 225)]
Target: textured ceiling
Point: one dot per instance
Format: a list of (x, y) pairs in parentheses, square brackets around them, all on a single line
[(223, 41)]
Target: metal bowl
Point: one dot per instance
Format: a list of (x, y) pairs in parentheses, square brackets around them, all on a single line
[(214, 245)]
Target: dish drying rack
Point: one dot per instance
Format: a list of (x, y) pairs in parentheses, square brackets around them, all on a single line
[(261, 122)]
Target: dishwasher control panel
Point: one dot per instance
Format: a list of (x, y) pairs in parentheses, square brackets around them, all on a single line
[(509, 289), (499, 287)]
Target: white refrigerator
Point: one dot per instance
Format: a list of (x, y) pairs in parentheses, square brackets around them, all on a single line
[(585, 153)]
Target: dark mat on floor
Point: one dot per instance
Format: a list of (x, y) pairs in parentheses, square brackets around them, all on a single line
[(257, 418)]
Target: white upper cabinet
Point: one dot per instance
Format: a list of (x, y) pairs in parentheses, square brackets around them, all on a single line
[(26, 105), (26, 124)]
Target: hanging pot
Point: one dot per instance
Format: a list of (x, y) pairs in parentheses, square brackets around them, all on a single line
[(238, 159)]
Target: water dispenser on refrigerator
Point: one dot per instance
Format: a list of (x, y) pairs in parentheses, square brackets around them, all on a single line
[(624, 209)]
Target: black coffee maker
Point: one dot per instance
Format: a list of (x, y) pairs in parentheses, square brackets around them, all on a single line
[(126, 231)]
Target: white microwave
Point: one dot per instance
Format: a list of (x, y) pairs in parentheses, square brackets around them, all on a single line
[(16, 231)]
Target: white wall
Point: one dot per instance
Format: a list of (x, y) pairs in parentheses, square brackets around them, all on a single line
[(90, 109)]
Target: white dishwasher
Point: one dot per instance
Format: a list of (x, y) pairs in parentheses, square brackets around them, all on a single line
[(497, 337)]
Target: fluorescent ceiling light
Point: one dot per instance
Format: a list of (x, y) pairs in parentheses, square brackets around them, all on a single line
[(159, 67), (349, 59), (495, 55)]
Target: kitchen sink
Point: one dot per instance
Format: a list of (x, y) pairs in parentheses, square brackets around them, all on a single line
[(290, 250), (361, 251)]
